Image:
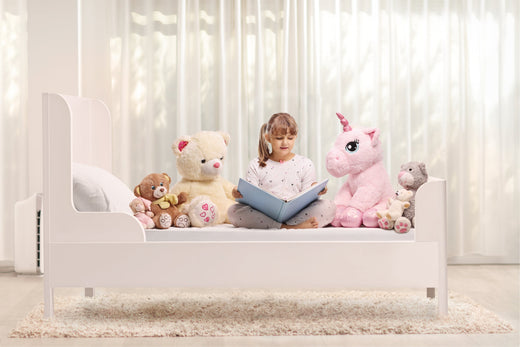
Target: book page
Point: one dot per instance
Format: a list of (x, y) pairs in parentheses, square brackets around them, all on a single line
[(274, 207), (321, 184)]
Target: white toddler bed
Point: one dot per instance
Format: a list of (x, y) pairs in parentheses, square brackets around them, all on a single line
[(111, 249)]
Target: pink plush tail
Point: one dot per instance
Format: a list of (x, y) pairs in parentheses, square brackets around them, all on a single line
[(344, 122)]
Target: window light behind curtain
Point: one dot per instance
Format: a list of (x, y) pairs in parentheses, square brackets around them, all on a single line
[(439, 78), (13, 118)]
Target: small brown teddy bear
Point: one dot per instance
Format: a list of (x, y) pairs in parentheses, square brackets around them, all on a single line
[(156, 187)]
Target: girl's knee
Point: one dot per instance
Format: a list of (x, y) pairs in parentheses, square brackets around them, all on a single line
[(233, 214)]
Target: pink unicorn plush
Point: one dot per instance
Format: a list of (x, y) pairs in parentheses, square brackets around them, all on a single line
[(358, 153)]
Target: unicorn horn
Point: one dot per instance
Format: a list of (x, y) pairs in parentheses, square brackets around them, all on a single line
[(344, 122)]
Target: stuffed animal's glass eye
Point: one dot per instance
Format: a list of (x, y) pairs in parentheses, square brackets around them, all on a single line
[(352, 146), (410, 169), (153, 187), (221, 158), (161, 184), (203, 161)]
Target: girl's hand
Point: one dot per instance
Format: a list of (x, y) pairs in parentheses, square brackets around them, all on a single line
[(323, 191), (236, 194)]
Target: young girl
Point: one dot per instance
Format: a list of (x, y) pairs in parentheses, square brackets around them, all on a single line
[(283, 174)]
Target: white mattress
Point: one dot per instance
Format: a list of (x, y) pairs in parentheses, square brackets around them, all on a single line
[(227, 232)]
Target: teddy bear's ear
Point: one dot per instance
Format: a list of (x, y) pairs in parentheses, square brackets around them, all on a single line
[(422, 166), (225, 136), (167, 177), (137, 191), (179, 145)]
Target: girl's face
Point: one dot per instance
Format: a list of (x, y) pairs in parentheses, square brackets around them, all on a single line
[(282, 145)]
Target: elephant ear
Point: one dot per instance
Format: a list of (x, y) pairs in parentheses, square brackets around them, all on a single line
[(179, 145)]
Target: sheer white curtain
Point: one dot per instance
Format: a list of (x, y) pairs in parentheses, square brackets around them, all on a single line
[(13, 118), (440, 78)]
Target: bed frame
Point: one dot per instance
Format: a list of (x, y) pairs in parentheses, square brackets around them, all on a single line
[(107, 249)]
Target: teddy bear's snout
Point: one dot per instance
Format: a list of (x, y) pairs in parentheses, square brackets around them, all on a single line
[(211, 168), (159, 192), (405, 179)]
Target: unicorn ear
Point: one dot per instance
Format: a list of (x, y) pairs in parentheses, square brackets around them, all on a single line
[(374, 136)]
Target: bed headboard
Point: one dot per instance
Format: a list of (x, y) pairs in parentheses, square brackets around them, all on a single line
[(88, 122), (78, 130)]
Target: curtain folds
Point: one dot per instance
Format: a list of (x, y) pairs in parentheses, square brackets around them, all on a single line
[(13, 118), (440, 78)]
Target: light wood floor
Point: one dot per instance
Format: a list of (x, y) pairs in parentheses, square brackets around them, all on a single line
[(495, 287)]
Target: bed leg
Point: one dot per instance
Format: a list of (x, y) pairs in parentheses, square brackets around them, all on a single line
[(442, 299), (89, 292), (430, 293), (48, 298)]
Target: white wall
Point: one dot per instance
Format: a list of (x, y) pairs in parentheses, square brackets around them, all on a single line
[(53, 60)]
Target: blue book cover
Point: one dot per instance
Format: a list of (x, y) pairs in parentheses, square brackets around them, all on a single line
[(276, 208)]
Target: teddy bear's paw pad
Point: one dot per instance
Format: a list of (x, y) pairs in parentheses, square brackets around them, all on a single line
[(402, 226), (203, 213), (208, 213), (165, 221), (182, 221), (386, 224)]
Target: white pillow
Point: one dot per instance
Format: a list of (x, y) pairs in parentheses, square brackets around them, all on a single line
[(95, 189)]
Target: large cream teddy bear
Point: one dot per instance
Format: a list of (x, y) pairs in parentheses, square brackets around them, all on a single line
[(199, 161)]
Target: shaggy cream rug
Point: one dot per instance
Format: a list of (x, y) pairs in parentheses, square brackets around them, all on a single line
[(219, 313)]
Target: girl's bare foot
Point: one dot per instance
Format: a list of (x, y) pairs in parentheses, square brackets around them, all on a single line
[(310, 223)]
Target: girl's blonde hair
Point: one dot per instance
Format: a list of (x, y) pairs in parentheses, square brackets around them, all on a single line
[(278, 124)]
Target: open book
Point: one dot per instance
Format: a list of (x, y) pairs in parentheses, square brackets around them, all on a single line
[(276, 208)]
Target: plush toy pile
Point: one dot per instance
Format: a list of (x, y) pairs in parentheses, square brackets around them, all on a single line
[(412, 175), (154, 191), (202, 196)]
